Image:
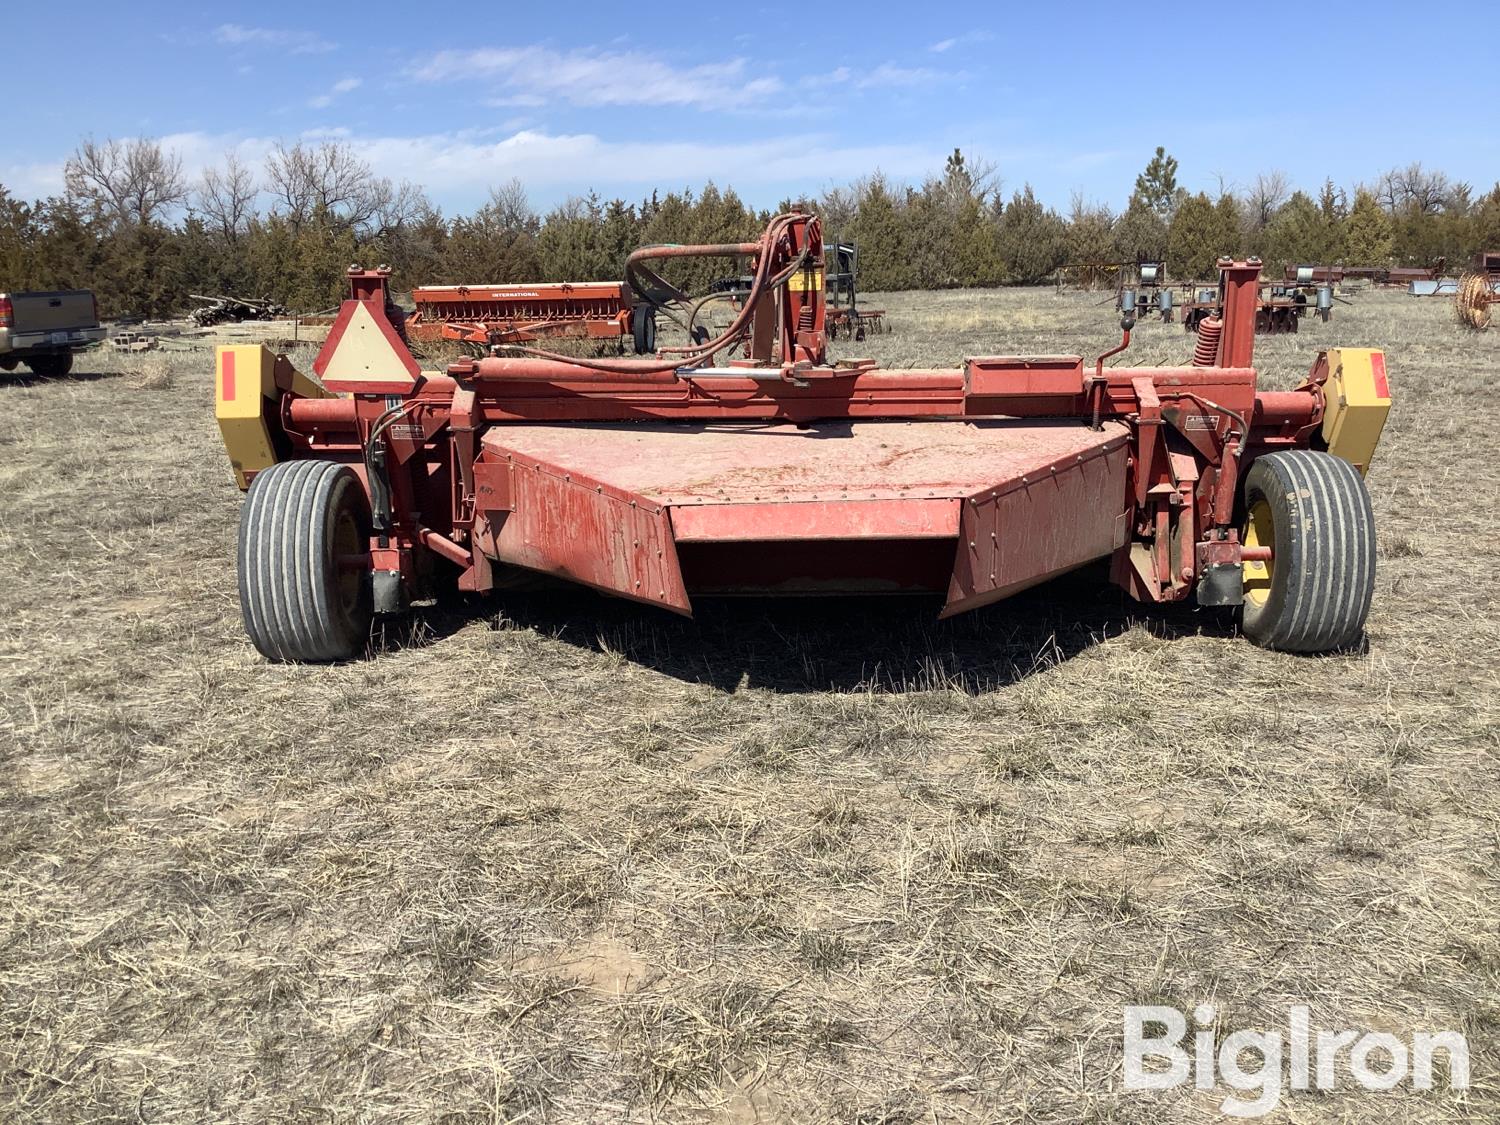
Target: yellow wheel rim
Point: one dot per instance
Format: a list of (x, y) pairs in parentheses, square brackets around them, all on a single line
[(1258, 533)]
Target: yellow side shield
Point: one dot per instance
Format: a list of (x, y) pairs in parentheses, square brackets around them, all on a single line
[(247, 394), (1359, 398)]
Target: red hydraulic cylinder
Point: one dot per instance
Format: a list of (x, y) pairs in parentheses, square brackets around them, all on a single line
[(536, 370)]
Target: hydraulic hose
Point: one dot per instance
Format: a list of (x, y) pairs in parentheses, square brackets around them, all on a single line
[(762, 282)]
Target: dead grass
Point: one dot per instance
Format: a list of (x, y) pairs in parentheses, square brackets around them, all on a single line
[(566, 859), (151, 372)]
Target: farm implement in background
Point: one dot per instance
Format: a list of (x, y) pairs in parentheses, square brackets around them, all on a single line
[(1279, 306), (841, 306), (1142, 292), (1475, 298), (1478, 293), (1386, 276), (489, 315), (1089, 276), (843, 311), (749, 463)]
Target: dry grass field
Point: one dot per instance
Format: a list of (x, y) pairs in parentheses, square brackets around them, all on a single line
[(555, 858)]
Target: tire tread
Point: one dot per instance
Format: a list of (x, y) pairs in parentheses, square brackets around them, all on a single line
[(1324, 574), (288, 585)]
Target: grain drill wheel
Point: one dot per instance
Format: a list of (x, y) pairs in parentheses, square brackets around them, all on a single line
[(643, 330), (301, 523), (1313, 511)]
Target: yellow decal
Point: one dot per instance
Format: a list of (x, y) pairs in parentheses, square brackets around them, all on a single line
[(804, 280)]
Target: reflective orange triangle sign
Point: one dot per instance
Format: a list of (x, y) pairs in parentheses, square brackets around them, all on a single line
[(364, 354)]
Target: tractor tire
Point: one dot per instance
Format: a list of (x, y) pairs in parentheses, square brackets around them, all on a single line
[(54, 365), (299, 604), (1314, 511), (643, 330)]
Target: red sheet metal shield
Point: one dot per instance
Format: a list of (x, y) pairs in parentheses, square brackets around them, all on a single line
[(567, 523), (994, 504), (1057, 517)]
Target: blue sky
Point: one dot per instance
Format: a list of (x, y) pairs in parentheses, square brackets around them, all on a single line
[(775, 100)]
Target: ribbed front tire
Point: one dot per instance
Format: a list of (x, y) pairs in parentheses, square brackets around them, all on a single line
[(301, 596), (1314, 511)]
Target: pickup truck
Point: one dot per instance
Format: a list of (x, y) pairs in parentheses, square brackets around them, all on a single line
[(43, 330)]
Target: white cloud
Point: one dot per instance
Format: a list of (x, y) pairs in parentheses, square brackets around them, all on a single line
[(573, 162), (462, 165), (889, 74), (280, 39), (835, 77), (977, 35), (886, 75), (32, 181), (516, 101), (595, 78), (339, 88)]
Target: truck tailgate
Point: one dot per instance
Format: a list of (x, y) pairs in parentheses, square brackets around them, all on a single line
[(52, 312)]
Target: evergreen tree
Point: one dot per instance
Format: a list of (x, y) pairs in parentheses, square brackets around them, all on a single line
[(1229, 231), (881, 235), (1140, 233), (1193, 245), (1156, 186), (1091, 233), (1484, 223), (1368, 239), (931, 236), (1032, 239), (1298, 234), (976, 250)]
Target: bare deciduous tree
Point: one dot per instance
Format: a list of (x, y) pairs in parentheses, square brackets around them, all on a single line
[(1413, 187), (327, 179), (1265, 197), (396, 207), (128, 182), (510, 208), (226, 199), (837, 208)]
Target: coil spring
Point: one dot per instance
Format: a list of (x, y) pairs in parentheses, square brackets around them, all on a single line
[(1206, 351), (805, 319)]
